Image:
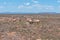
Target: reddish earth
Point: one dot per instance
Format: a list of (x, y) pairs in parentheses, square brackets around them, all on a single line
[(17, 27)]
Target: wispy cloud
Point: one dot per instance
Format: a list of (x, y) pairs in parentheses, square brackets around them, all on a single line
[(35, 1), (27, 6), (39, 6), (27, 3)]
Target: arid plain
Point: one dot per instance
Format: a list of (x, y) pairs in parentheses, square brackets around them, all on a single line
[(30, 27)]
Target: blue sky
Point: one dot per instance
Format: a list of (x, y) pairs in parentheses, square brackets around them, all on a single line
[(30, 6)]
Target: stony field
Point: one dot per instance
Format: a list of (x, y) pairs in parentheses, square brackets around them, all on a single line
[(30, 27)]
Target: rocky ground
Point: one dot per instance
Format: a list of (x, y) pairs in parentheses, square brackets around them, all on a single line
[(30, 27)]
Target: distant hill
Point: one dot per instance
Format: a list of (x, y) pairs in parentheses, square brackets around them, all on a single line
[(29, 13)]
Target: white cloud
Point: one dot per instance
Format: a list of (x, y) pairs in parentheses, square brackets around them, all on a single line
[(27, 3), (35, 7), (38, 6), (35, 1)]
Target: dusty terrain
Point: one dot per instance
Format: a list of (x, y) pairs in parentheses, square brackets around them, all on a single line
[(30, 27)]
